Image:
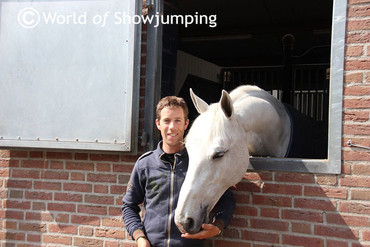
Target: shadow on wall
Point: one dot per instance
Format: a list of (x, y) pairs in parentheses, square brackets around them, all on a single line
[(292, 209)]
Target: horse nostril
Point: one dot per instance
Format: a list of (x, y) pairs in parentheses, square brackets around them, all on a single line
[(189, 224)]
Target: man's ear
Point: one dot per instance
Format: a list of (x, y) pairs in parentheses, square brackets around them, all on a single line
[(157, 122), (186, 123)]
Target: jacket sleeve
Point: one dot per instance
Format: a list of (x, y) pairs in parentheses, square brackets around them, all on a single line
[(224, 210), (133, 198)]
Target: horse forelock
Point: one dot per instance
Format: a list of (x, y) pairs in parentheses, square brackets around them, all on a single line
[(212, 129)]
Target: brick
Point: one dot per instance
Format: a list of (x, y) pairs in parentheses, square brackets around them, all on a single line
[(9, 163), (56, 164), (38, 195), (80, 166), (295, 177), (325, 205), (260, 236), (360, 194), (264, 176), (33, 227), (22, 184), (111, 243), (355, 156), (38, 206), (357, 90), (356, 116), (130, 158), (356, 104), (250, 186), (59, 155), (10, 214), (117, 189), (326, 180), (78, 241), (359, 11), (354, 51), (302, 241), (16, 173), (39, 216), (17, 204), (77, 187), (113, 222), (355, 181), (55, 175), (85, 231), (103, 189), (269, 212), (245, 210), (15, 236), (275, 201), (56, 239), (34, 164), (68, 197), (62, 207), (282, 189), (354, 207), (231, 233), (81, 156), (104, 157), (337, 232), (301, 228), (122, 168), (348, 220), (89, 209), (106, 178), (366, 235), (103, 167), (40, 185), (336, 243), (99, 199), (110, 233), (34, 238), (85, 220), (59, 228), (302, 215), (355, 25), (36, 154), (340, 193), (115, 211), (275, 225), (353, 77), (361, 169), (63, 218), (77, 176)]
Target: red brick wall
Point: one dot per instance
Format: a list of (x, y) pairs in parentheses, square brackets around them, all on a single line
[(73, 198)]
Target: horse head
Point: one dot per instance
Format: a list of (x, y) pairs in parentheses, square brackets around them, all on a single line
[(218, 159)]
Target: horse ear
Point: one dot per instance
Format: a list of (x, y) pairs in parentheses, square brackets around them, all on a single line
[(226, 104), (199, 104)]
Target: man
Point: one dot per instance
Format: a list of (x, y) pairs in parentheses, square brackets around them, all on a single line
[(156, 180)]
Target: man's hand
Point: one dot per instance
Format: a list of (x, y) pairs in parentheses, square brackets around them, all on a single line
[(208, 231), (142, 242)]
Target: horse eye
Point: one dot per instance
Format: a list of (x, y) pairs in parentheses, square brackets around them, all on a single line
[(218, 155)]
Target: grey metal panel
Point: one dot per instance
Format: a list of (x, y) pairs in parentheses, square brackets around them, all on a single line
[(333, 164), (67, 74)]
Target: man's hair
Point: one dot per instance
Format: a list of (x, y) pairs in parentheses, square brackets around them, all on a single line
[(172, 101)]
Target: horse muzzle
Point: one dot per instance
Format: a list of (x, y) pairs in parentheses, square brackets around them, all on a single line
[(190, 223)]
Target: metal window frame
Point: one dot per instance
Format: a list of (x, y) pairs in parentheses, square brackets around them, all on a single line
[(331, 165)]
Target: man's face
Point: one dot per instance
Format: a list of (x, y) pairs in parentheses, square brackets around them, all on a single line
[(172, 126)]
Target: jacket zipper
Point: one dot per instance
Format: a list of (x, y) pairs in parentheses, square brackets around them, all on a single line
[(171, 202)]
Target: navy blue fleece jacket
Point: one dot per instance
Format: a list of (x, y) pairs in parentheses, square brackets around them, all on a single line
[(150, 183)]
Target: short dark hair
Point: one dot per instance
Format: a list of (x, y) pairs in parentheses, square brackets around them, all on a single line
[(172, 101)]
